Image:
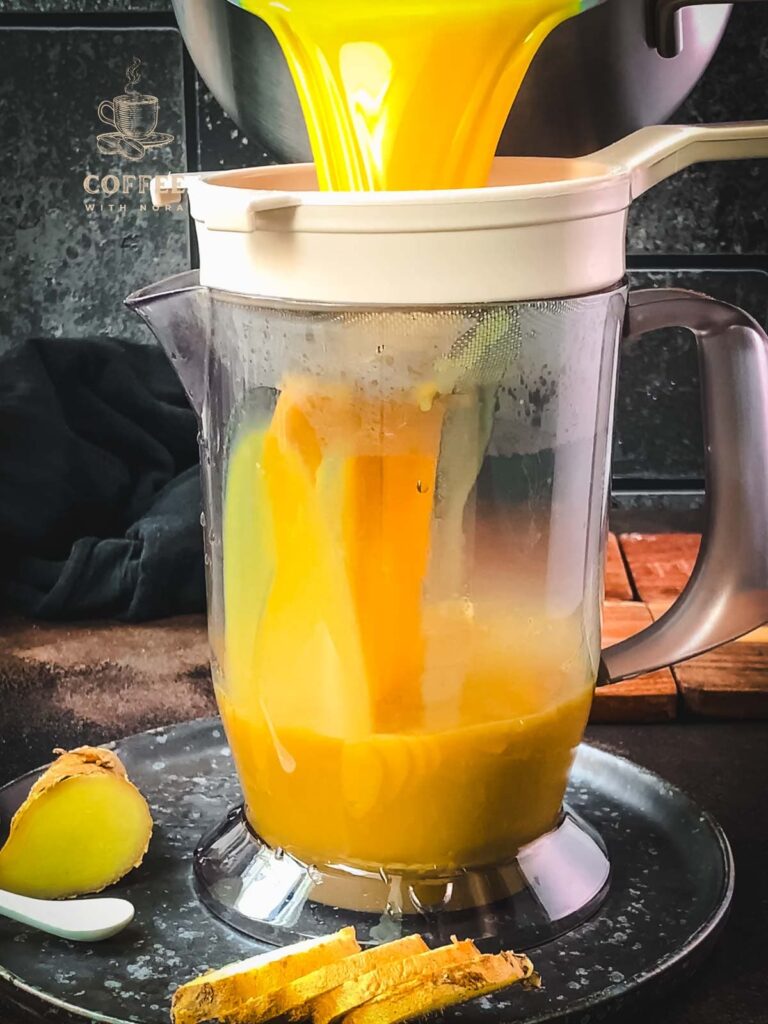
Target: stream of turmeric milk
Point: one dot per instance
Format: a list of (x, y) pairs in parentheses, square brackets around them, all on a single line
[(345, 753), (408, 94)]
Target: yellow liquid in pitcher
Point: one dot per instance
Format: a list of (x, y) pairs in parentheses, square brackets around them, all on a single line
[(408, 94), (371, 723)]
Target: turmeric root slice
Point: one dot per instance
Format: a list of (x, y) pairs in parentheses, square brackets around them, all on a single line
[(294, 1001), (458, 983), (222, 995), (416, 970), (82, 827)]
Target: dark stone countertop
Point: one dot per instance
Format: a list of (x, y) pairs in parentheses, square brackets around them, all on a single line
[(724, 766)]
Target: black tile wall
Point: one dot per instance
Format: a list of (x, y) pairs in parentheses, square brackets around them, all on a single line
[(721, 207), (86, 6), (76, 232), (65, 267), (220, 143)]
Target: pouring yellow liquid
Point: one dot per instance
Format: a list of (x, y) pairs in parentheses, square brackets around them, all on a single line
[(408, 94), (377, 719)]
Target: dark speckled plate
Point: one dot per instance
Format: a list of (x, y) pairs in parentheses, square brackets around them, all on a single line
[(670, 891)]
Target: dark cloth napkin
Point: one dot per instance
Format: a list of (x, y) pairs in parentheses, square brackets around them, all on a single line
[(99, 483)]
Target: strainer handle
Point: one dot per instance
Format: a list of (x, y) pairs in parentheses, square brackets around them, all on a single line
[(727, 594)]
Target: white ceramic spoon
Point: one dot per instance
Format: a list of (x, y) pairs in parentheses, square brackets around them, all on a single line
[(79, 920)]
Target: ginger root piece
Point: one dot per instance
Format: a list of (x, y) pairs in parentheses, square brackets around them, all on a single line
[(456, 984), (293, 1002), (222, 995), (82, 827), (417, 970)]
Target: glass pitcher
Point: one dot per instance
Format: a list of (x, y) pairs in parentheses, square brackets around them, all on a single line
[(405, 520)]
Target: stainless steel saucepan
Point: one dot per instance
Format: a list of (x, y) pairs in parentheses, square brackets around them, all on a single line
[(598, 76)]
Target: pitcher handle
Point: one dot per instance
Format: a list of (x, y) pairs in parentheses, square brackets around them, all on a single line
[(727, 594)]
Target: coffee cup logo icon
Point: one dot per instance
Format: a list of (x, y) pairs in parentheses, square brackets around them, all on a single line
[(134, 117)]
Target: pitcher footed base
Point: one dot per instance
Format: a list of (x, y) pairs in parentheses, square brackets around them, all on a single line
[(551, 886)]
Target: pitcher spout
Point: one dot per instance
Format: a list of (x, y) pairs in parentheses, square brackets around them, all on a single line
[(177, 311)]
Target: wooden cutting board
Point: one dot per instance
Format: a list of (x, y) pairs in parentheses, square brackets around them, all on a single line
[(649, 698), (731, 681)]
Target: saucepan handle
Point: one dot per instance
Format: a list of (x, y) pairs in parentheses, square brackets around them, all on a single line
[(727, 594), (665, 28)]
